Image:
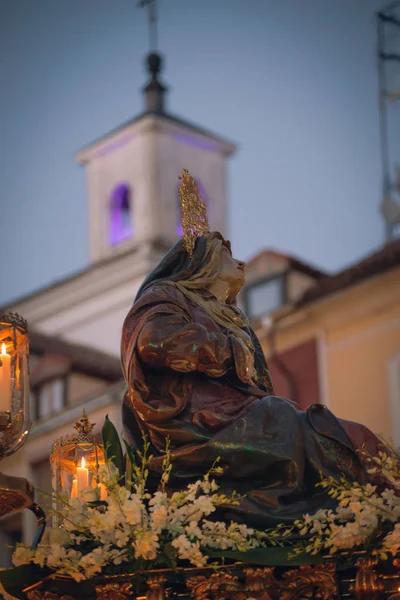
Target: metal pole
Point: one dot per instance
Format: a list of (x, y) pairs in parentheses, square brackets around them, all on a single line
[(151, 5), (383, 121), (153, 31)]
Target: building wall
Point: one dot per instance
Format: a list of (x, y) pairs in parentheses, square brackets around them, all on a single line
[(302, 362), (79, 386), (357, 333), (358, 356), (90, 308)]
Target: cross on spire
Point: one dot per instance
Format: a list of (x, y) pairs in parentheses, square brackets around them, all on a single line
[(151, 6), (154, 90)]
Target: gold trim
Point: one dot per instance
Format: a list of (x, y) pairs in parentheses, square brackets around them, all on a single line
[(114, 591), (35, 595), (16, 493), (14, 320), (368, 585)]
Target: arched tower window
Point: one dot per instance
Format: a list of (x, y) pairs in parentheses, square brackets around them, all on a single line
[(203, 194), (121, 222)]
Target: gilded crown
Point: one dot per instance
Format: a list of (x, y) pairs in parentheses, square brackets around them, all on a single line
[(193, 210)]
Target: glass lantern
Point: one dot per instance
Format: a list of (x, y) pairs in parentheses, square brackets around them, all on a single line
[(14, 383), (75, 460)]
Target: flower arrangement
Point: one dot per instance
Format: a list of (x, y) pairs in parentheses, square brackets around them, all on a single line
[(134, 527), (367, 516), (119, 526)]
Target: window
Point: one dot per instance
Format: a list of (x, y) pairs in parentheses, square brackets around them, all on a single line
[(121, 222), (263, 297), (50, 398), (203, 194)]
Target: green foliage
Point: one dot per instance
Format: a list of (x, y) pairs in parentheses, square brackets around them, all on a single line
[(112, 447), (130, 465)]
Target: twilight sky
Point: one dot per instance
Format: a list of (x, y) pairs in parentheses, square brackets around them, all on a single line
[(293, 82)]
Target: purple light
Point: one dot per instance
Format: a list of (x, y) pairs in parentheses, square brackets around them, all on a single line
[(113, 146), (195, 141), (121, 214), (204, 196)]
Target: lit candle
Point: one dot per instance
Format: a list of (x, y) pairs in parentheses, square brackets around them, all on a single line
[(82, 475), (5, 380), (74, 491)]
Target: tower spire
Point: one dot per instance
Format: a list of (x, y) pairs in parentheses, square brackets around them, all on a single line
[(154, 90)]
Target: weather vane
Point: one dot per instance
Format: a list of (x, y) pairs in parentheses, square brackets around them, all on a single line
[(152, 15)]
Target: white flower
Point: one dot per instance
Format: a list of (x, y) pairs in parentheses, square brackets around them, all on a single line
[(193, 530), (56, 555), (40, 556), (133, 509), (391, 542), (146, 545), (108, 475), (22, 555), (90, 494), (58, 535), (190, 551), (159, 518)]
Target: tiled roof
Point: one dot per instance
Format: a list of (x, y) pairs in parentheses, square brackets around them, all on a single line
[(385, 258), (293, 263), (84, 359)]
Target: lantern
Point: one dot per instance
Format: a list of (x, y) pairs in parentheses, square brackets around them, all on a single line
[(16, 493), (14, 383), (75, 460)]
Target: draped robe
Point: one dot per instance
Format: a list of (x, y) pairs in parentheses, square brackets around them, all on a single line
[(183, 375)]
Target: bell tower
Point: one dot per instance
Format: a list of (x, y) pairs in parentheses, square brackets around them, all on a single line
[(134, 214), (131, 172)]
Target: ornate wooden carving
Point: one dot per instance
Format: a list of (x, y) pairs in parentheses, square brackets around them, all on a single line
[(218, 586), (114, 591), (261, 584), (317, 581), (39, 595), (261, 581), (155, 587), (368, 585)]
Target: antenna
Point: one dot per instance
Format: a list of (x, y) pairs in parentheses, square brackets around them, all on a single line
[(388, 33)]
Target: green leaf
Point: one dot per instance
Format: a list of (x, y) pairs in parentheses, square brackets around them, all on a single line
[(130, 463), (276, 557), (130, 450), (112, 446)]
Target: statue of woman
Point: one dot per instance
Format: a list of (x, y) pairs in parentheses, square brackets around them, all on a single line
[(196, 373)]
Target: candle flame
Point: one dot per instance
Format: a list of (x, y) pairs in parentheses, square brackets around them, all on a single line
[(83, 463), (3, 349)]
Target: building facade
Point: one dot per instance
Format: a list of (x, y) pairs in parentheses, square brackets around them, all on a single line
[(336, 341)]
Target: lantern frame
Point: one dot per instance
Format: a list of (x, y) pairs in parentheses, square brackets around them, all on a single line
[(66, 460), (15, 420)]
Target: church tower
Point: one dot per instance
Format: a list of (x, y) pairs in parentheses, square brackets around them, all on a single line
[(134, 217), (131, 175)]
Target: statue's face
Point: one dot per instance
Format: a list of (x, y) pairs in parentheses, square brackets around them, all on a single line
[(231, 272)]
